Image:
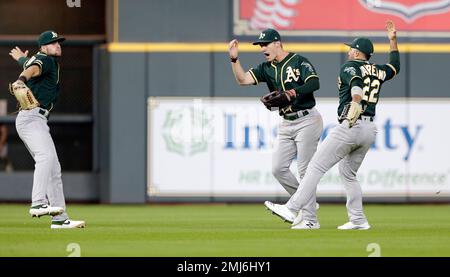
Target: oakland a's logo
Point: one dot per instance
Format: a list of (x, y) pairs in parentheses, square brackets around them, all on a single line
[(54, 35), (262, 35), (292, 74), (409, 12)]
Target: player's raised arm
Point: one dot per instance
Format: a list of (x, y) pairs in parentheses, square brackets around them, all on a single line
[(394, 56), (18, 55), (242, 78), (392, 35)]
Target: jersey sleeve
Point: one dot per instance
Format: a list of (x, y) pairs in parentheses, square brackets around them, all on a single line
[(390, 71), (392, 68), (22, 61), (43, 62), (307, 70), (258, 74), (349, 72)]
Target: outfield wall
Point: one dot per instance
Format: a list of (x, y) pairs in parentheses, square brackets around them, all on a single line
[(222, 147)]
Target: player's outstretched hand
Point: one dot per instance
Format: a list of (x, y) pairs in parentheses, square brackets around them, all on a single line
[(392, 32), (16, 53), (233, 49)]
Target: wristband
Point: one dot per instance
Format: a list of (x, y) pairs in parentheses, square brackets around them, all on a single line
[(23, 79), (233, 60)]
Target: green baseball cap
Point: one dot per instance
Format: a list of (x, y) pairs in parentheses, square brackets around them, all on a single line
[(48, 37), (362, 44), (268, 36)]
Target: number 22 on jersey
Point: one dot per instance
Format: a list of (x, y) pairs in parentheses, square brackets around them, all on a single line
[(370, 90)]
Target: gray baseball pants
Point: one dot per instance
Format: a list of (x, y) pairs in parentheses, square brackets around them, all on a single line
[(345, 145), (47, 183), (296, 139)]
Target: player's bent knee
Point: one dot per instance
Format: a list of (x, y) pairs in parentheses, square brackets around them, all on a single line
[(46, 159), (278, 171), (347, 174)]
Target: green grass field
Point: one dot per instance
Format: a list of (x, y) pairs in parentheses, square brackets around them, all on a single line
[(224, 230)]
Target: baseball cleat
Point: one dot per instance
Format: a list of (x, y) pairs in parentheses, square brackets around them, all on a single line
[(297, 219), (68, 224), (305, 225), (44, 209), (281, 211), (352, 226)]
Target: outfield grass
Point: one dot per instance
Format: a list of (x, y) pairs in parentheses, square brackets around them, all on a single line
[(225, 230)]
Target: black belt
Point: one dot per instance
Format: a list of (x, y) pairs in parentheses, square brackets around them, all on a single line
[(361, 117), (366, 118), (296, 115), (44, 112)]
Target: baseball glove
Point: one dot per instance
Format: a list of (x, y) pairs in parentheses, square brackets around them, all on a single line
[(351, 112), (24, 95), (276, 99)]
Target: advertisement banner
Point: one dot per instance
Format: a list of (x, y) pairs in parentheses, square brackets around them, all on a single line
[(223, 147), (341, 18)]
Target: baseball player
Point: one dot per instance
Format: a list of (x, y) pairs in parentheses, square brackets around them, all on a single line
[(301, 125), (359, 85), (41, 75)]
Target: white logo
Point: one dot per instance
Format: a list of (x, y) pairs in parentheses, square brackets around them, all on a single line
[(350, 70), (73, 3), (409, 12), (54, 35), (292, 74), (262, 35), (308, 66), (374, 249), (273, 14), (74, 249)]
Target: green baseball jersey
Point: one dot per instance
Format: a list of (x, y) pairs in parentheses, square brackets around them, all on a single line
[(372, 76), (45, 87), (291, 73)]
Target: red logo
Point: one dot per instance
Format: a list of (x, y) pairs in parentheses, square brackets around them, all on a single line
[(425, 18), (409, 10), (273, 14)]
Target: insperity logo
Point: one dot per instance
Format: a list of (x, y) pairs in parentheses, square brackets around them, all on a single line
[(187, 131), (409, 11)]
